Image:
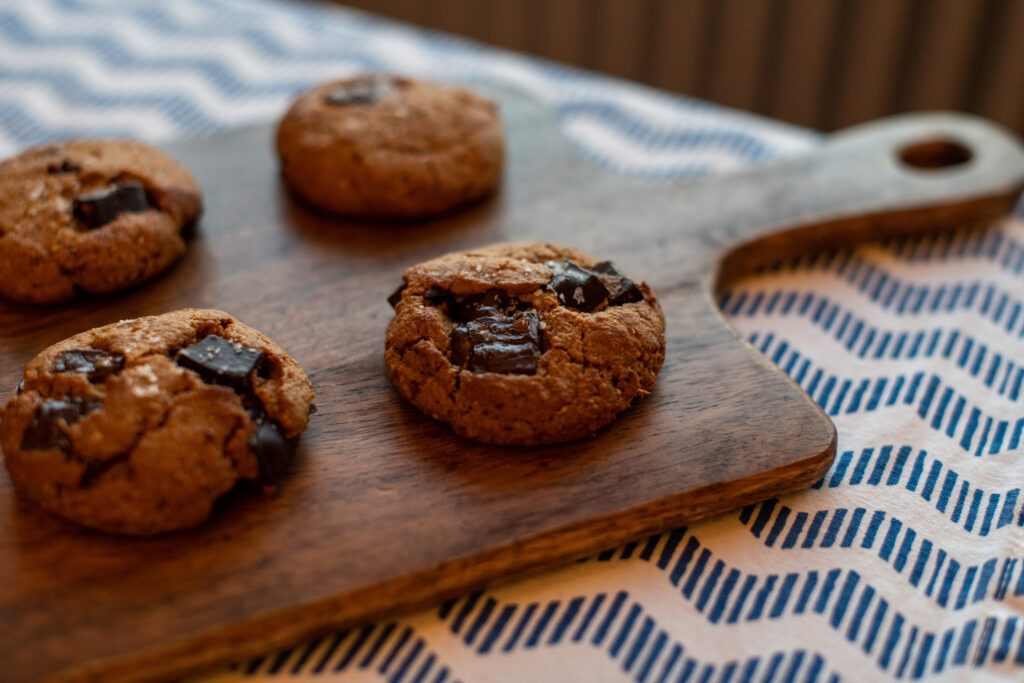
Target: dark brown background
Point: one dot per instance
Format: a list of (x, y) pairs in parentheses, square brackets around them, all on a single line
[(821, 63)]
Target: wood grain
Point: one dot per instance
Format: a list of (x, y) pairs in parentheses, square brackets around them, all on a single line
[(386, 510), (678, 45), (1000, 88), (937, 70), (865, 84), (797, 86), (739, 53)]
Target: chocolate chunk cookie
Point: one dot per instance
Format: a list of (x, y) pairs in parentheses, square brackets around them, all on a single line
[(92, 216), (390, 147), (523, 344), (138, 427)]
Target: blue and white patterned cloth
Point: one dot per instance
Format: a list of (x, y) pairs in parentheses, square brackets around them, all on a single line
[(905, 561)]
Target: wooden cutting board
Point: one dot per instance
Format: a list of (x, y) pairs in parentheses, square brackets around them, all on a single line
[(386, 510)]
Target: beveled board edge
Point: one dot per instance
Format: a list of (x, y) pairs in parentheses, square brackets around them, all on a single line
[(281, 629)]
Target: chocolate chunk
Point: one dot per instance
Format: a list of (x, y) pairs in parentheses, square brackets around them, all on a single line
[(492, 302), (493, 299), (45, 430), (628, 293), (461, 347), (265, 369), (494, 334), (508, 344), (64, 167), (577, 287), (95, 364), (221, 361), (21, 388), (359, 92), (396, 295), (273, 451), (96, 209), (621, 290), (606, 268), (435, 295)]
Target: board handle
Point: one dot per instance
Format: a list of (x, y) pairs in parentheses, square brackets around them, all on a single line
[(899, 176)]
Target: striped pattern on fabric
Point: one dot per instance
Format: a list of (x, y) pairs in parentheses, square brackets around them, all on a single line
[(904, 561)]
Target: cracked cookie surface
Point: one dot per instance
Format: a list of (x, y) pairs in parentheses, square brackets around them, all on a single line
[(140, 426), (90, 216), (390, 147), (523, 343)]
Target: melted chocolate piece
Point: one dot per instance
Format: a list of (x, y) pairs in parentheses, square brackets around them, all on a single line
[(577, 287), (222, 362), (495, 333), (493, 302), (621, 290), (45, 431), (64, 167), (461, 346), (359, 92), (21, 388), (96, 209), (273, 451), (396, 295), (436, 295), (505, 344), (95, 364)]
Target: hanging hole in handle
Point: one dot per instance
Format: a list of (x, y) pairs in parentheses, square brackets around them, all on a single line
[(930, 155)]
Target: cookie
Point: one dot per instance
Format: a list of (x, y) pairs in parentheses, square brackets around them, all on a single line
[(140, 426), (90, 216), (390, 147), (523, 344)]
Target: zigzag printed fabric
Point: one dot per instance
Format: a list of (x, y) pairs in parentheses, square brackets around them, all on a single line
[(906, 561)]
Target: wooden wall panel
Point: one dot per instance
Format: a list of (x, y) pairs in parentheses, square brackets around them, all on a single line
[(944, 34), (1000, 94), (805, 41), (740, 42), (677, 42), (619, 47), (509, 23), (457, 16), (555, 40), (819, 63), (866, 76)]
